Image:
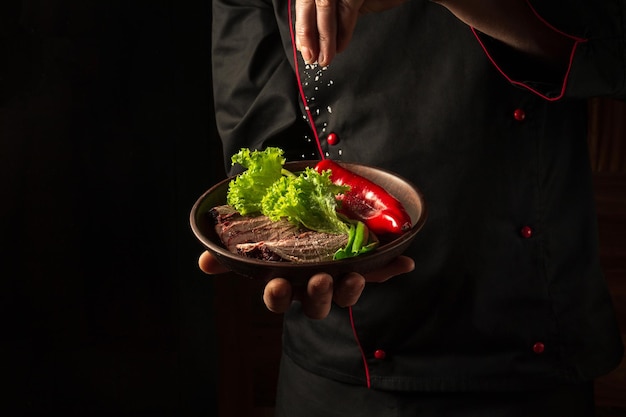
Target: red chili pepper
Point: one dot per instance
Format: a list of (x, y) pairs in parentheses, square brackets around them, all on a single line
[(366, 201)]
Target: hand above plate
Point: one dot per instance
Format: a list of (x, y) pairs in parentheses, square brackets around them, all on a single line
[(324, 28), (321, 289)]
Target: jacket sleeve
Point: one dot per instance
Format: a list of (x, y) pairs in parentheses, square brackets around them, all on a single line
[(254, 85), (597, 66)]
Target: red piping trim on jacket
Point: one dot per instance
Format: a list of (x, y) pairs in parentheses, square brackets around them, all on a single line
[(577, 41), (300, 89), (545, 22), (358, 342), (321, 152)]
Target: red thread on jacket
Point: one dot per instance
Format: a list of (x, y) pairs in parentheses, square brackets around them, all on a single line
[(321, 152), (358, 342), (300, 89)]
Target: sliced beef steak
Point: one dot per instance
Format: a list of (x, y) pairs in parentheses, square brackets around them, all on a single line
[(261, 238), (306, 247)]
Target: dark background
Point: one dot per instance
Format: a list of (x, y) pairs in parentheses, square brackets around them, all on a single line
[(106, 140)]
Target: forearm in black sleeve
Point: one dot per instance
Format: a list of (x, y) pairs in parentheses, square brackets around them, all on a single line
[(597, 54), (254, 86)]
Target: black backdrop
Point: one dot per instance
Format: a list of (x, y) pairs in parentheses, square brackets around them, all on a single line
[(106, 139)]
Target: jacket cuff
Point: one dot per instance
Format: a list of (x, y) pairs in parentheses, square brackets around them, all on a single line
[(525, 72)]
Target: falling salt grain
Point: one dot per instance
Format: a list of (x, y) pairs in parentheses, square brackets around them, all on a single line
[(329, 109)]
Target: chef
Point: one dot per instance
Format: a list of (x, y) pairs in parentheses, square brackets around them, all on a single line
[(500, 306)]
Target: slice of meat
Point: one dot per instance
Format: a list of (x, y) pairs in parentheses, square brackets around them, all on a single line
[(234, 229), (306, 247), (261, 238)]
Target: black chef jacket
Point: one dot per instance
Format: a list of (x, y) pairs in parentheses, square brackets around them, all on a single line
[(507, 291)]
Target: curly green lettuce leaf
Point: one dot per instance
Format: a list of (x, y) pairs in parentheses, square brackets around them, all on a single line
[(263, 168), (308, 198), (266, 187)]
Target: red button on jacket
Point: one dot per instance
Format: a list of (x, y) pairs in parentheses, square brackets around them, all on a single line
[(526, 232), (332, 139)]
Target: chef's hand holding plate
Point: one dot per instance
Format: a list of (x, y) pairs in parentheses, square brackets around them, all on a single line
[(321, 289)]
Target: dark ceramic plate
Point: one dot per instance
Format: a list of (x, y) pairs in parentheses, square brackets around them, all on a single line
[(203, 227)]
